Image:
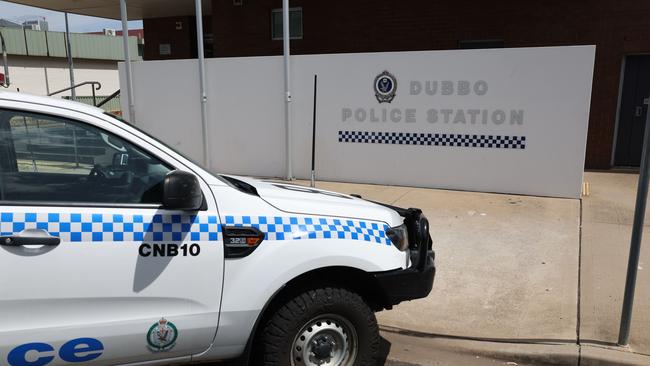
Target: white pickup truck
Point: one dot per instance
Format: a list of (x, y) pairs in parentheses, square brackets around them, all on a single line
[(115, 249)]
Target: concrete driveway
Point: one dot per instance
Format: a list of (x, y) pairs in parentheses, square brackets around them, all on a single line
[(607, 226), (507, 265), (527, 270)]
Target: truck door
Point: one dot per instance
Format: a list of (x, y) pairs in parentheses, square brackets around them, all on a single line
[(94, 268)]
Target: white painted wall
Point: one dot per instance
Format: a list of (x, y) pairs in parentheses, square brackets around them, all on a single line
[(34, 75), (550, 87), (246, 111), (167, 103)]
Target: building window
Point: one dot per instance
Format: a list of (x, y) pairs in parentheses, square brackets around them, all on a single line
[(295, 23), (481, 43)]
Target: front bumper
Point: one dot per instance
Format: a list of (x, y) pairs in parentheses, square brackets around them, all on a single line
[(408, 284), (416, 281)]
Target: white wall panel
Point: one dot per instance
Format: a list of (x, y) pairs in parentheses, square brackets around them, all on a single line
[(246, 112), (28, 75), (167, 103), (542, 94)]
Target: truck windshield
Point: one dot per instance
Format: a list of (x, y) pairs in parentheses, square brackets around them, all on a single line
[(165, 144)]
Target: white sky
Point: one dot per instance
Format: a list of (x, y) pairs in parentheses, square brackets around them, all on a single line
[(78, 23)]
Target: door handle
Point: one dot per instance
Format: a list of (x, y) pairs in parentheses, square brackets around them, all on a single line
[(638, 111), (30, 237)]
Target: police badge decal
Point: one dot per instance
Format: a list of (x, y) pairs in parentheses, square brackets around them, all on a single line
[(385, 87), (162, 336)]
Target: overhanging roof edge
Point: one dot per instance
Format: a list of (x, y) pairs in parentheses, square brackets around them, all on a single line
[(137, 9)]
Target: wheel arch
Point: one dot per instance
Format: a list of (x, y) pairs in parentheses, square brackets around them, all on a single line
[(352, 279)]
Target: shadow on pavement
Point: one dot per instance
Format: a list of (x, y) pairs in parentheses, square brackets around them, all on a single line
[(382, 359), (384, 350), (418, 334)]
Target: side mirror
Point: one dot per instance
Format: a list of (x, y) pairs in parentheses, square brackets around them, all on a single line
[(182, 191)]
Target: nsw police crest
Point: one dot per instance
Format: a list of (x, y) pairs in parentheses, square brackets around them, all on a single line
[(162, 336), (385, 87)]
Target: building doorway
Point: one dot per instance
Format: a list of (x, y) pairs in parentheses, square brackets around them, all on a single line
[(632, 111)]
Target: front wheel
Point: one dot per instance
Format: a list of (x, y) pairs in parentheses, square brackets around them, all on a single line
[(322, 327)]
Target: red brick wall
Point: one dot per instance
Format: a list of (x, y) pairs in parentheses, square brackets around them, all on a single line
[(163, 31), (616, 27), (182, 41)]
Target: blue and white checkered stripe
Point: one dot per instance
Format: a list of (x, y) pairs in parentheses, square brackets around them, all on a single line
[(300, 228), (98, 227), (434, 139)]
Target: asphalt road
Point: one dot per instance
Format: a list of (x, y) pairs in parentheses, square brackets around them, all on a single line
[(400, 350), (413, 351)]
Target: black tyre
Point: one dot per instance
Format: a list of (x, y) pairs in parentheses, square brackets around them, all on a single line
[(322, 327)]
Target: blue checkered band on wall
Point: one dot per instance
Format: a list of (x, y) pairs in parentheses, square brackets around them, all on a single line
[(97, 227), (434, 139)]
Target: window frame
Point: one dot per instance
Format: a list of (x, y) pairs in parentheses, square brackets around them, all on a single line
[(126, 137), (279, 10)]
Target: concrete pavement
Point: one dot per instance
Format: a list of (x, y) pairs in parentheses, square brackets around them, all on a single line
[(525, 270), (408, 350), (607, 225), (411, 351), (507, 265)]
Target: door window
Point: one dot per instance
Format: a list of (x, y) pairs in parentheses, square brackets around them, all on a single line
[(52, 159)]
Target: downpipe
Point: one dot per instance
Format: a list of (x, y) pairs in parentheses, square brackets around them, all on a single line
[(6, 82)]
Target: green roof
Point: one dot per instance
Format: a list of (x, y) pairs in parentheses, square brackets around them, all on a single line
[(26, 42)]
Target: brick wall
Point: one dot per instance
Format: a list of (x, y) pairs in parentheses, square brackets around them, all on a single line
[(177, 32), (163, 31), (616, 27)]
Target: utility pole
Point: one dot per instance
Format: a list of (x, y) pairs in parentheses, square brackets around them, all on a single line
[(287, 86), (6, 82), (637, 235), (70, 64), (204, 95), (127, 61)]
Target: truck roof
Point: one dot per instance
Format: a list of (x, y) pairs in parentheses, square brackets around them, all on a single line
[(50, 101)]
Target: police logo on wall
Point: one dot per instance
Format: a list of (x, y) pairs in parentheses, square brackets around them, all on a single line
[(385, 87), (162, 336)]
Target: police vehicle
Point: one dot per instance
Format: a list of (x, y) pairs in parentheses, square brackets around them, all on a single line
[(115, 249)]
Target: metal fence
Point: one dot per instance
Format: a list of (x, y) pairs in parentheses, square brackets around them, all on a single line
[(113, 105), (27, 42), (54, 146)]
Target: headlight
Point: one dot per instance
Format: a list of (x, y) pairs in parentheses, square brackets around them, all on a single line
[(399, 237)]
